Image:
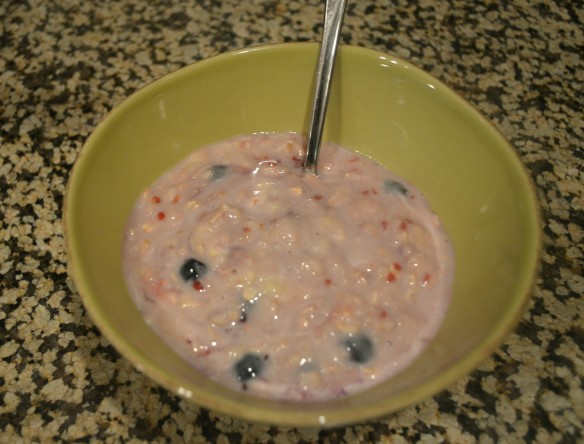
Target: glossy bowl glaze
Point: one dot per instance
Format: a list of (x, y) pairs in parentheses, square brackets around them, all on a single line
[(380, 106)]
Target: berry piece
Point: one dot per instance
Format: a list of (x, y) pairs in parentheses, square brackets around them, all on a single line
[(192, 269), (360, 348), (250, 366), (395, 187), (218, 171), (244, 311)]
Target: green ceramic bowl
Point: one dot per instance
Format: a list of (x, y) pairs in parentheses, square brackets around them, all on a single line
[(380, 106)]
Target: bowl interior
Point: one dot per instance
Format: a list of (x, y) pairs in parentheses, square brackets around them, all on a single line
[(380, 106)]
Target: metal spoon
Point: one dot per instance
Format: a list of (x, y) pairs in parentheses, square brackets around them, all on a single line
[(333, 19)]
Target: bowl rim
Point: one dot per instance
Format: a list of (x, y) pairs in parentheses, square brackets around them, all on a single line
[(303, 417)]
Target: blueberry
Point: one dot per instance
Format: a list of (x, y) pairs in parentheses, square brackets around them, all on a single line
[(395, 187), (192, 269), (250, 366), (218, 171), (360, 348)]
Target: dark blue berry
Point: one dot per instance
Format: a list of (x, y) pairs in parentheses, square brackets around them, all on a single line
[(250, 366), (218, 171), (192, 270), (360, 348), (395, 187)]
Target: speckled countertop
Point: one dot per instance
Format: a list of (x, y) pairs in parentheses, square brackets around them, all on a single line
[(64, 64)]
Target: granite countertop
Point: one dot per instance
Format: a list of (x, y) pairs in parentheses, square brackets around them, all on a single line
[(64, 64)]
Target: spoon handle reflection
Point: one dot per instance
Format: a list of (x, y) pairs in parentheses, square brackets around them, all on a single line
[(333, 19)]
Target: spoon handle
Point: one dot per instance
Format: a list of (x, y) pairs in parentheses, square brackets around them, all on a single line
[(333, 19)]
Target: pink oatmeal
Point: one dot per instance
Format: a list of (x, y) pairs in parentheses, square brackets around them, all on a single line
[(284, 284)]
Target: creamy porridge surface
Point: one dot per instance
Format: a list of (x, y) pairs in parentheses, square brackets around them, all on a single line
[(284, 284)]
